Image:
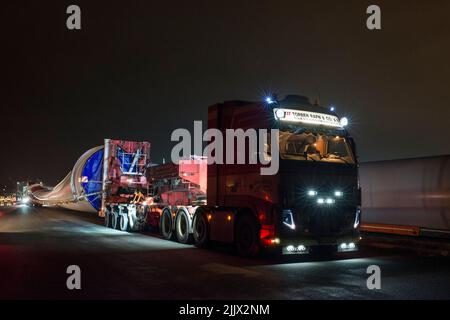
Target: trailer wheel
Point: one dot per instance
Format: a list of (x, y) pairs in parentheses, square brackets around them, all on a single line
[(139, 219), (133, 223), (123, 222), (136, 223), (201, 229), (115, 220), (182, 227), (166, 225), (246, 236), (108, 218)]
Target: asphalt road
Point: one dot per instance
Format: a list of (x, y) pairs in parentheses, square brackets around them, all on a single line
[(38, 244)]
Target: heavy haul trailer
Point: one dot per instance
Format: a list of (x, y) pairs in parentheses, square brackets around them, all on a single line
[(167, 192), (312, 201), (109, 180), (178, 191), (124, 184)]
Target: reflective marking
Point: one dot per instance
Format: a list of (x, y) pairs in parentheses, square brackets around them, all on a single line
[(390, 229)]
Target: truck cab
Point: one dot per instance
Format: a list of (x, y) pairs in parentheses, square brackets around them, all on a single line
[(313, 200)]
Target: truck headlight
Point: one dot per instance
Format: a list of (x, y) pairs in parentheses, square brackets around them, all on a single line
[(338, 193)]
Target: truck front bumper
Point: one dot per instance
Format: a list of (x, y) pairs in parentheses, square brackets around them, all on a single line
[(306, 246)]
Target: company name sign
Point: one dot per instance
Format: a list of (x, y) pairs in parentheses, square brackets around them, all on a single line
[(290, 115)]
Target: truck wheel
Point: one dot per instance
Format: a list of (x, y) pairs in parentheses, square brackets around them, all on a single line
[(143, 224), (139, 219), (123, 222), (133, 224), (108, 218), (182, 227), (115, 221), (166, 225), (246, 236), (201, 229)]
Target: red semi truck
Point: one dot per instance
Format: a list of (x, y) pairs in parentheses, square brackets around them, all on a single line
[(312, 201)]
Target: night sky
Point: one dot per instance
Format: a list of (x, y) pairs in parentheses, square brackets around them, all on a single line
[(140, 69)]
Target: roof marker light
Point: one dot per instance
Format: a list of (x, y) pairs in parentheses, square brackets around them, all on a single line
[(344, 121), (269, 100)]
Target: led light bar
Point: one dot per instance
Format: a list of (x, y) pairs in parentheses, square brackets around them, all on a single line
[(291, 115)]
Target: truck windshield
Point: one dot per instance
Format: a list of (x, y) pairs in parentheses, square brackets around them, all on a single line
[(315, 147)]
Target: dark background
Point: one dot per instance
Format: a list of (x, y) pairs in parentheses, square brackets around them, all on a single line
[(140, 69)]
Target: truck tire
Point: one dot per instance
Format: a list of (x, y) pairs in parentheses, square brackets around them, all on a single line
[(124, 223), (246, 236), (182, 227), (201, 229), (108, 215), (165, 225), (115, 221), (140, 219), (136, 223), (133, 223)]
